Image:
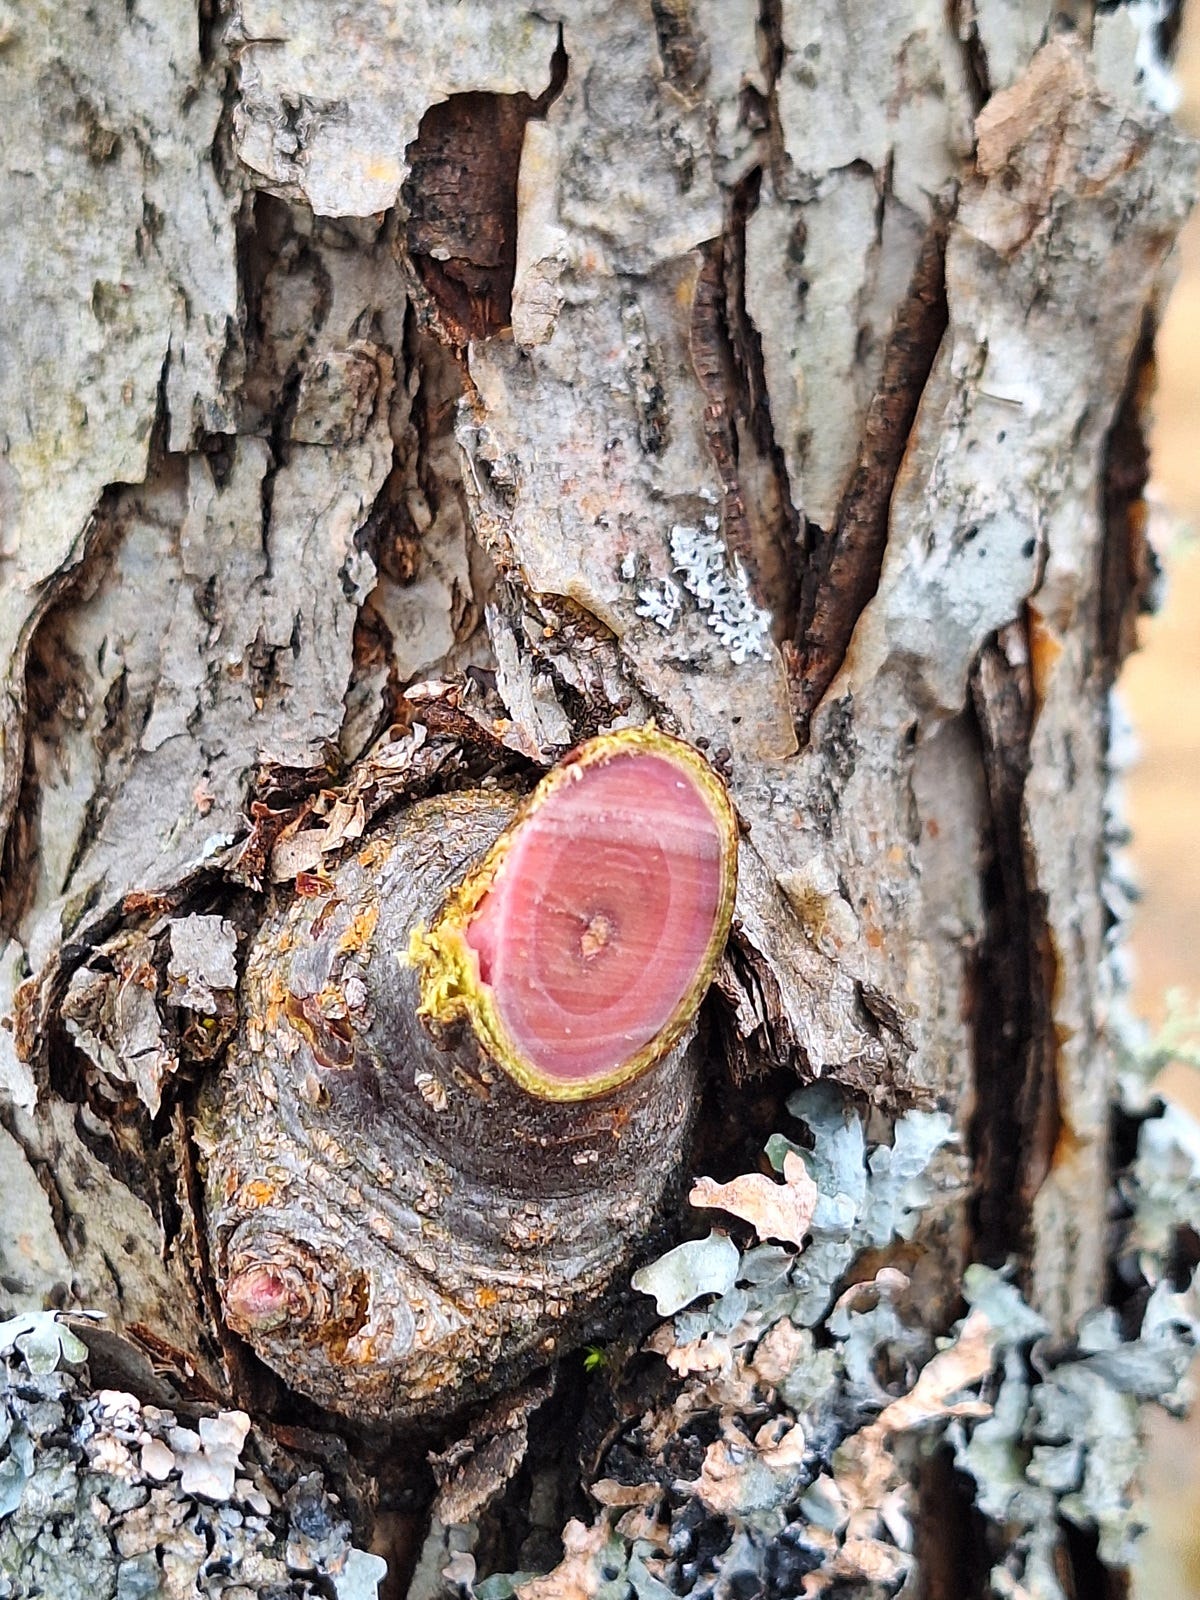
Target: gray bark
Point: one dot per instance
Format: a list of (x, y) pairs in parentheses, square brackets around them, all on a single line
[(391, 398)]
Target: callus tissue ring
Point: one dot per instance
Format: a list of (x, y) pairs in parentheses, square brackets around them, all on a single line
[(463, 1078)]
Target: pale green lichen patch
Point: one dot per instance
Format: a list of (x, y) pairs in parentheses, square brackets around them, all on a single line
[(697, 1267), (813, 1374), (103, 1494), (42, 1341), (1068, 1444), (1064, 1438), (792, 1461)]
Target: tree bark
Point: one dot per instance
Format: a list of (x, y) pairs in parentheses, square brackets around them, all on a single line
[(394, 398)]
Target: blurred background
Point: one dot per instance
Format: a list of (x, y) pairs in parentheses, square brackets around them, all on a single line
[(1161, 687)]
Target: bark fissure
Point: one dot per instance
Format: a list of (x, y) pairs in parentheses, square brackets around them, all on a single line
[(681, 45), (287, 294), (952, 1537), (772, 53), (760, 524), (55, 689), (461, 200), (784, 531), (1016, 1121), (1128, 563), (843, 568), (965, 24)]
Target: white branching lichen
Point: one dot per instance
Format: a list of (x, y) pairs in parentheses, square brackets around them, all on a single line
[(661, 603), (720, 589)]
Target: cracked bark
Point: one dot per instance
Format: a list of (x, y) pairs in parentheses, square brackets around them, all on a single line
[(777, 378)]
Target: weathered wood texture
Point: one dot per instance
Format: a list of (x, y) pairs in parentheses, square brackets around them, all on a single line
[(777, 373)]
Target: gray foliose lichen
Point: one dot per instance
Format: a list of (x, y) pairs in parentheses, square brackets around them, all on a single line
[(108, 1498), (812, 1399)]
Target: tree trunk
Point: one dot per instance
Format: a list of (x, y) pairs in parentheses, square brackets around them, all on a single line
[(393, 398)]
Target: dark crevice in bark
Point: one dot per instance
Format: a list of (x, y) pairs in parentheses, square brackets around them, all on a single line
[(760, 522), (287, 297), (1016, 1123), (255, 1387), (208, 18), (1167, 27), (461, 200), (770, 31), (965, 28), (682, 50), (1129, 572), (783, 526), (123, 724), (423, 439), (520, 1530), (22, 843), (772, 54), (1080, 1570), (373, 669), (842, 572), (1128, 567), (392, 537), (55, 693), (951, 1535), (19, 785), (434, 406), (373, 654), (279, 270)]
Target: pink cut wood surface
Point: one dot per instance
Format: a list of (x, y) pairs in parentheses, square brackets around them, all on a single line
[(601, 914), (258, 1296)]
